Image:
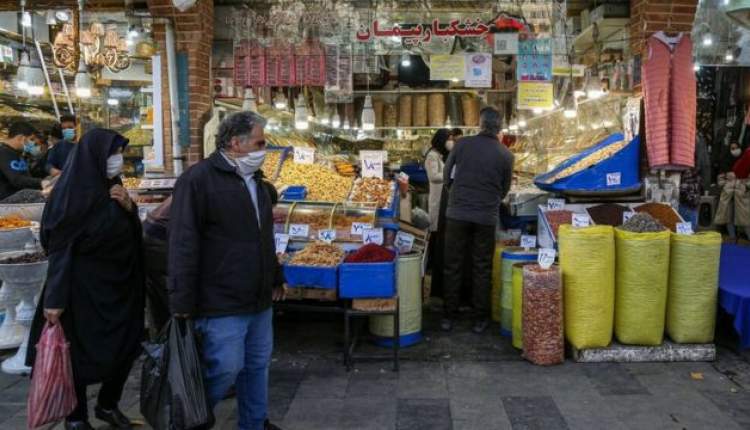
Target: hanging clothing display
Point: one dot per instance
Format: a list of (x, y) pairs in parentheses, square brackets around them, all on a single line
[(670, 100)]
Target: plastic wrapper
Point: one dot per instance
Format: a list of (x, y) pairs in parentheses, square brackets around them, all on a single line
[(379, 108), (587, 261), (641, 279), (390, 115), (511, 256), (693, 287), (542, 318)]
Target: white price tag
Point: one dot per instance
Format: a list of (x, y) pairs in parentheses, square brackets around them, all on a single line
[(299, 230), (359, 227), (304, 155), (514, 233), (684, 228), (528, 241), (581, 220), (546, 257), (626, 216), (373, 235), (327, 235), (282, 241), (404, 242), (555, 204), (614, 179), (372, 163)]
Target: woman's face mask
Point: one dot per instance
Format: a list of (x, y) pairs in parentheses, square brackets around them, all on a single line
[(114, 165)]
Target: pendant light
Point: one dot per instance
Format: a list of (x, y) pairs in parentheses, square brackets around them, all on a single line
[(300, 114), (83, 81), (248, 103), (23, 72), (280, 102), (35, 79), (336, 120), (368, 115)]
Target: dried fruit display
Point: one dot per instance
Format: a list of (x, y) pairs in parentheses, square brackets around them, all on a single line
[(322, 184), (343, 224), (316, 220), (345, 168), (271, 164), (319, 254), (557, 218), (607, 214), (373, 190), (13, 221), (29, 258), (131, 183), (24, 196), (643, 223), (662, 213), (543, 341), (588, 161)]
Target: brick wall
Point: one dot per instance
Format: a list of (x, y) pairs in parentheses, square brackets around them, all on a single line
[(194, 36), (650, 16)]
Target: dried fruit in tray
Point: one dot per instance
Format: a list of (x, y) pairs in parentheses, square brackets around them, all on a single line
[(131, 183), (588, 161), (662, 213), (271, 164), (323, 184), (316, 220), (319, 254), (557, 218), (607, 214), (373, 190), (29, 258), (643, 223), (13, 221)]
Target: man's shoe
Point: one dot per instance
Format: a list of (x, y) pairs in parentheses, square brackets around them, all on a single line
[(480, 326), (114, 417), (268, 426), (446, 324), (78, 425)]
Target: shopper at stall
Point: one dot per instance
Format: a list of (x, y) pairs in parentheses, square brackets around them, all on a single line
[(36, 152), (60, 152), (479, 172), (734, 200), (92, 236), (223, 270), (14, 168), (155, 264)]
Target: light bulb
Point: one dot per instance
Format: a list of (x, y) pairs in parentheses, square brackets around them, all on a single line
[(368, 115), (570, 113), (708, 40), (300, 114), (454, 80), (83, 81), (336, 120), (505, 130), (129, 42), (513, 127), (325, 120), (132, 33), (26, 19), (578, 94), (280, 101), (594, 94), (536, 111), (697, 67), (729, 57), (113, 102), (346, 124), (405, 60), (522, 124), (726, 2)]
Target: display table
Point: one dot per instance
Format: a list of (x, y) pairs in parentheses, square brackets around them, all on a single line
[(734, 288)]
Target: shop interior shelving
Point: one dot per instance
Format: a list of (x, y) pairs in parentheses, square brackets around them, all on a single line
[(611, 31)]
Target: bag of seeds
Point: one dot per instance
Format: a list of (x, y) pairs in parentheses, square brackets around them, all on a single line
[(587, 261), (542, 316), (497, 282), (641, 280), (693, 287)]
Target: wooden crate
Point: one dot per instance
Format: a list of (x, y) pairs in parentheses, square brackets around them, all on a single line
[(323, 295)]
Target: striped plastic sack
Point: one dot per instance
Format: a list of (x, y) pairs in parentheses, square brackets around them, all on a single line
[(52, 395)]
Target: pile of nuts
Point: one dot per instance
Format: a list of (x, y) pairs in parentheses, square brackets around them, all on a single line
[(271, 164), (319, 254), (13, 221), (662, 213), (543, 341), (557, 218), (29, 258), (323, 184), (131, 183), (316, 220), (373, 190), (588, 161)]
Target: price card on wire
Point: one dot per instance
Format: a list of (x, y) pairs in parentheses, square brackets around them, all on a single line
[(626, 216), (684, 228), (528, 241), (372, 163), (546, 257), (359, 227), (404, 242), (304, 155), (581, 220), (327, 235), (555, 204), (282, 241), (373, 235), (299, 230)]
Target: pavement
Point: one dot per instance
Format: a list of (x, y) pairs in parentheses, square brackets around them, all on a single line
[(463, 381)]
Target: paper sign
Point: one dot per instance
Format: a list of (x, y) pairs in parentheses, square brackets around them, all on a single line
[(546, 257), (535, 95), (446, 67), (684, 228), (506, 43), (515, 233), (282, 241), (404, 242), (304, 155), (581, 220), (372, 163), (359, 227), (478, 71), (327, 235), (299, 230), (373, 235), (528, 241), (577, 70), (626, 216), (614, 179), (555, 204)]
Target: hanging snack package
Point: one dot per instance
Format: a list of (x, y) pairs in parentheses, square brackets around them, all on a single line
[(587, 261), (641, 280), (542, 316)]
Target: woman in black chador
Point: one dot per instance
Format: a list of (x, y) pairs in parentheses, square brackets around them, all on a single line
[(92, 235)]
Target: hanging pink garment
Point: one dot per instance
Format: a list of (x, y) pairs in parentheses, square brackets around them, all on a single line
[(670, 100)]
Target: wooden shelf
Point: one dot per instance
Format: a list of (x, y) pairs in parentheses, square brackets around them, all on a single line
[(433, 90), (610, 31)]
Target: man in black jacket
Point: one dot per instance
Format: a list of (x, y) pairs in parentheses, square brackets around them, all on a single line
[(14, 169), (223, 269), (479, 172)]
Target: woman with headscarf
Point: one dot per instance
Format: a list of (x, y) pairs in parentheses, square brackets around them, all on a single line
[(734, 201), (92, 235), (434, 162)]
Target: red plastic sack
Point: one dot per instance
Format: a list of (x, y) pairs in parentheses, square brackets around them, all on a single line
[(52, 395)]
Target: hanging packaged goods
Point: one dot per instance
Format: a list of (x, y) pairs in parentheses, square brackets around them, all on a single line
[(249, 64), (310, 63), (280, 65)]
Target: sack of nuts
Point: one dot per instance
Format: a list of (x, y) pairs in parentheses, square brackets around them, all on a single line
[(543, 340)]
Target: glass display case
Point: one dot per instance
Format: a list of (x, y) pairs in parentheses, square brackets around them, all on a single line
[(351, 219), (304, 220), (307, 219)]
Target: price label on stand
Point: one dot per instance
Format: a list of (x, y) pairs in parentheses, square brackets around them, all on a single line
[(546, 257), (299, 230), (528, 241), (404, 242), (304, 155), (581, 220), (684, 228), (373, 235), (626, 216), (555, 204), (282, 241), (327, 235), (359, 227), (614, 179), (372, 163)]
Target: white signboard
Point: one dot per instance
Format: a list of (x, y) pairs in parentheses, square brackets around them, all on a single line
[(506, 43), (404, 242), (555, 204), (581, 220), (684, 228), (546, 257), (327, 235), (282, 241), (626, 216), (528, 241), (614, 179), (372, 163), (304, 155), (478, 71), (299, 230), (359, 227), (373, 235)]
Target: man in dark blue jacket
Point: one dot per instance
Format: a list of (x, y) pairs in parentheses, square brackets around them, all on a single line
[(223, 269), (14, 169)]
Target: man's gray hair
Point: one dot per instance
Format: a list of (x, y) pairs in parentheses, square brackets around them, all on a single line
[(490, 121), (236, 125)]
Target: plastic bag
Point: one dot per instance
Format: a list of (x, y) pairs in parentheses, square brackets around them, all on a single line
[(52, 394), (155, 390), (543, 340), (641, 278), (518, 304), (693, 287), (587, 261)]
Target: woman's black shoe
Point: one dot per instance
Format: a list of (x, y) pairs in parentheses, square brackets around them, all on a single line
[(113, 417), (268, 426), (78, 425)]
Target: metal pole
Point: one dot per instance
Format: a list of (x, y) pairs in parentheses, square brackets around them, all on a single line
[(46, 78)]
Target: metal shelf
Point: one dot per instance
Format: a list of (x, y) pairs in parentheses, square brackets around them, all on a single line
[(609, 30), (434, 90)]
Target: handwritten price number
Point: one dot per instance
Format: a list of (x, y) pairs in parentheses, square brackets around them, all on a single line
[(373, 235), (404, 242), (684, 228), (372, 163), (299, 230), (555, 204), (304, 155), (614, 179), (327, 235), (626, 216), (581, 220), (528, 241), (282, 241), (546, 257), (359, 227)]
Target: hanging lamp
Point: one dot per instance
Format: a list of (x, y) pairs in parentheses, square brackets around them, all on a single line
[(336, 120), (248, 103), (83, 81), (300, 114), (368, 115)]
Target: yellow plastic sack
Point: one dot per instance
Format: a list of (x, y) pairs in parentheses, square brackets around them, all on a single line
[(497, 282), (587, 260), (641, 281), (693, 287), (518, 304)]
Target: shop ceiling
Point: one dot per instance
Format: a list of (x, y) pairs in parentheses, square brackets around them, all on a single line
[(90, 5)]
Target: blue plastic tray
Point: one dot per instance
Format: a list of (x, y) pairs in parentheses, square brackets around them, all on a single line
[(295, 192), (594, 179), (311, 277), (392, 211), (367, 280)]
